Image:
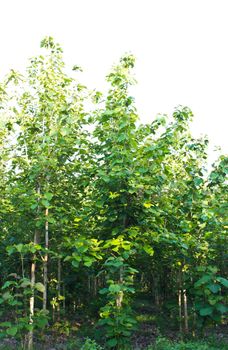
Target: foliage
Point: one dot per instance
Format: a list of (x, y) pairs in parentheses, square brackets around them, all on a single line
[(165, 344), (90, 345), (96, 208), (13, 301), (209, 301), (116, 315)]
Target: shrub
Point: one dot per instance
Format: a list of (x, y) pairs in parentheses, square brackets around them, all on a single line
[(165, 344), (90, 345)]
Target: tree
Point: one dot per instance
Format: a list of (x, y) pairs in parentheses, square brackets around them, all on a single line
[(93, 201)]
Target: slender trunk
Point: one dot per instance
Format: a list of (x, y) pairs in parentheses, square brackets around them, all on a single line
[(53, 313), (194, 324), (59, 288), (95, 286), (180, 301), (156, 293), (64, 299), (180, 309), (185, 311), (45, 262), (119, 298), (33, 281), (31, 304), (89, 284), (22, 266)]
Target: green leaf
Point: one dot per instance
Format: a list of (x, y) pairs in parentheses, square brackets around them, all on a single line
[(12, 331), (112, 342), (6, 324), (75, 263), (8, 284), (6, 295), (214, 288), (41, 322), (216, 317), (203, 280), (114, 288), (198, 181), (39, 286), (19, 247), (45, 203), (25, 284), (10, 250), (221, 308), (223, 281), (48, 195), (148, 249), (103, 291), (206, 311), (88, 262), (14, 302), (212, 301), (29, 327), (65, 131)]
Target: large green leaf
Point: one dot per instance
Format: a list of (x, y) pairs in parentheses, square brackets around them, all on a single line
[(48, 195), (214, 288), (114, 288), (206, 311), (45, 203), (88, 261), (112, 342), (221, 308), (206, 278), (223, 281), (12, 331), (39, 286)]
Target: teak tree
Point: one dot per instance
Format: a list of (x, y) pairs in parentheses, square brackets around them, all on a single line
[(97, 209)]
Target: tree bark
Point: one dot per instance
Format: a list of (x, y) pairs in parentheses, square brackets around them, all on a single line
[(32, 303), (180, 300), (33, 281), (180, 309), (185, 311), (119, 298), (45, 262), (156, 292), (59, 288)]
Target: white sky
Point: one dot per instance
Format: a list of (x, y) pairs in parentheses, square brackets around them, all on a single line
[(181, 49)]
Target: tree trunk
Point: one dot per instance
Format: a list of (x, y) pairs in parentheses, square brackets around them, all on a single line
[(32, 302), (180, 300), (45, 262), (59, 288), (185, 311), (119, 298), (95, 286), (33, 281), (89, 284), (156, 292), (64, 299), (180, 309)]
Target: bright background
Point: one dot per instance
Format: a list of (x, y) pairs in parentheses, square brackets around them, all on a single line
[(180, 47)]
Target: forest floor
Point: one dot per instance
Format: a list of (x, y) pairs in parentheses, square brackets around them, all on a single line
[(146, 335), (142, 340), (152, 326)]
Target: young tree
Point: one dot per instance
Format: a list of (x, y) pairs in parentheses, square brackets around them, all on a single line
[(47, 127)]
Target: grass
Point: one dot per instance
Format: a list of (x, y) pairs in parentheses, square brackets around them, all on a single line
[(148, 318), (166, 344), (161, 344)]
